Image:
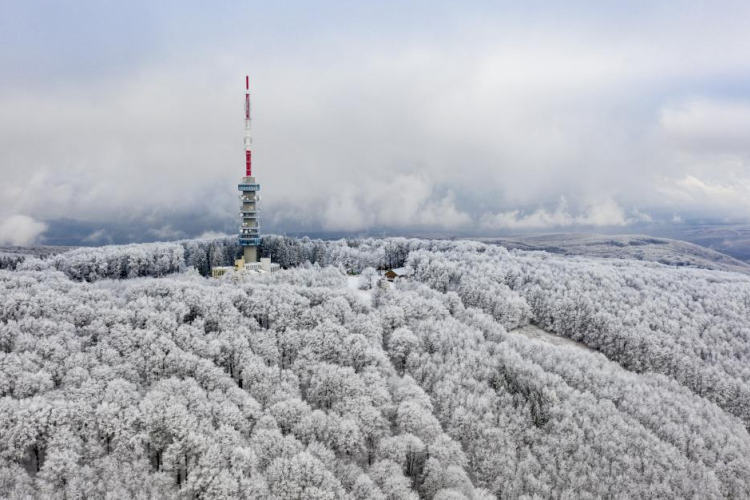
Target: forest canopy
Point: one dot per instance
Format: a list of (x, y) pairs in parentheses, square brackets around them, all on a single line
[(126, 373)]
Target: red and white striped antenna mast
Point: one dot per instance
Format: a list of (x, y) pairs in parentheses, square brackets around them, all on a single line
[(249, 234), (248, 138)]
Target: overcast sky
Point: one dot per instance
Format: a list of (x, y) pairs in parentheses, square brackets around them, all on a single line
[(453, 116)]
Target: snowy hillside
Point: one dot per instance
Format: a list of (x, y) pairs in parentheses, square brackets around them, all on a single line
[(486, 373), (648, 248)]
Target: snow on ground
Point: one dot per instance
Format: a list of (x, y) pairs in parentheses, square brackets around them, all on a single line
[(352, 282), (534, 332)]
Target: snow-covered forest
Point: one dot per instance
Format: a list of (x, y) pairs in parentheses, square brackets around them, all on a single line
[(126, 373)]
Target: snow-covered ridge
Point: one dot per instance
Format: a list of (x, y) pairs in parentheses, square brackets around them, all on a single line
[(634, 247)]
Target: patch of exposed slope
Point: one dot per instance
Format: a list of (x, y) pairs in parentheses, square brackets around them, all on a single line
[(534, 332)]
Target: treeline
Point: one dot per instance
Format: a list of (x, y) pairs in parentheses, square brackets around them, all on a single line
[(133, 261), (11, 257), (353, 254), (160, 259)]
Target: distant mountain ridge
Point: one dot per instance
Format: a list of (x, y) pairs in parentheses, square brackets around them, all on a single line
[(732, 240), (636, 247)]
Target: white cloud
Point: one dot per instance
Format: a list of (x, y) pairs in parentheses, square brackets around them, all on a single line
[(20, 230), (212, 235), (602, 214), (707, 171), (98, 236), (694, 185), (166, 233), (725, 196), (639, 216), (607, 213), (343, 213), (709, 126), (404, 200), (443, 214)]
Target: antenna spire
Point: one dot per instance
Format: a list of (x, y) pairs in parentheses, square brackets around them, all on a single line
[(248, 138)]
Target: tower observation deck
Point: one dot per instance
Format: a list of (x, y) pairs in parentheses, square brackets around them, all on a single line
[(249, 233)]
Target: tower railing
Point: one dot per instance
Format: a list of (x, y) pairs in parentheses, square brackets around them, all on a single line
[(249, 241)]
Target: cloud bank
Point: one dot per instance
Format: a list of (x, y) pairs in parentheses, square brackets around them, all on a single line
[(401, 201), (604, 214), (476, 117)]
